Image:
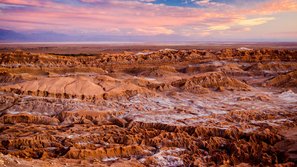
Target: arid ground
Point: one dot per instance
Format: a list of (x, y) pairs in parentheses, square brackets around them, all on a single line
[(89, 105)]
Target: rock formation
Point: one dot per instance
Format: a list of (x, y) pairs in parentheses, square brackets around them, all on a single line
[(284, 80), (234, 107)]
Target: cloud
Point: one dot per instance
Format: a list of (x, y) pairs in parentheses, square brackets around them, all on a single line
[(203, 2), (209, 3), (219, 28), (147, 0), (140, 17), (255, 21), (155, 31), (98, 1)]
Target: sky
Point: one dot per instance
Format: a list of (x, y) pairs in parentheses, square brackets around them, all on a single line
[(163, 20)]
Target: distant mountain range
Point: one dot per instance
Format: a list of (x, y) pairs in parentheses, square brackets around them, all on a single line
[(12, 36), (8, 35)]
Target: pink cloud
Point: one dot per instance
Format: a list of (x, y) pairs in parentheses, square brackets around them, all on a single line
[(136, 17)]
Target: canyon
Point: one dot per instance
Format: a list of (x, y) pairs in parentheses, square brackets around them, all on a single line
[(165, 107)]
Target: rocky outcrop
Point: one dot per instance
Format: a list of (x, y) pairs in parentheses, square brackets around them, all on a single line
[(284, 80), (59, 87), (125, 91), (6, 77), (142, 140), (87, 117), (29, 119), (78, 87), (272, 67), (121, 151), (159, 71), (213, 80), (288, 147), (153, 108)]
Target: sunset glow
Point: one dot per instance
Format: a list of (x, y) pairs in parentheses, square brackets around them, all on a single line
[(170, 19)]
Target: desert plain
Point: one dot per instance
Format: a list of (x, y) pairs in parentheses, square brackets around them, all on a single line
[(145, 105)]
